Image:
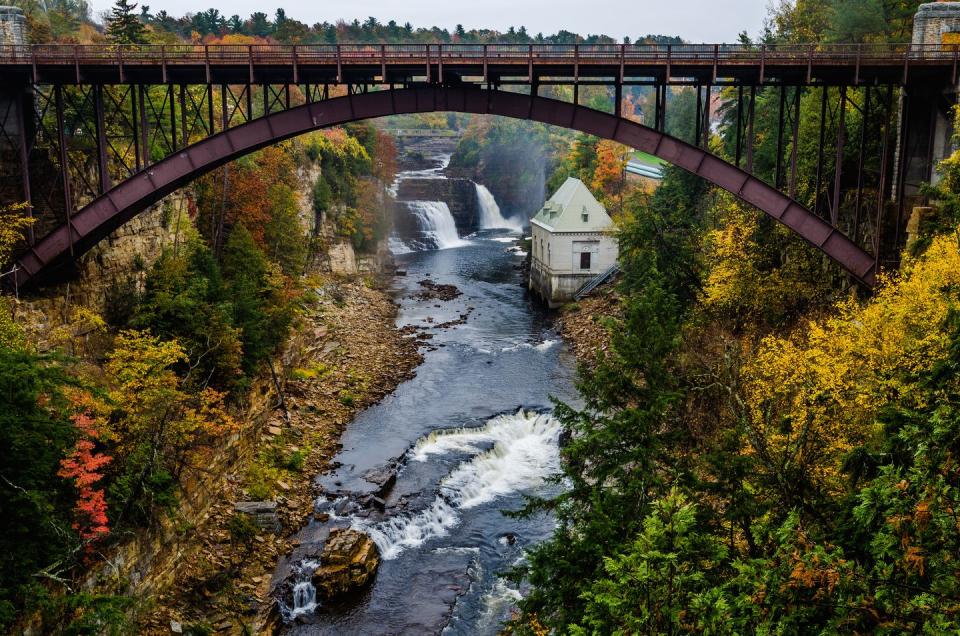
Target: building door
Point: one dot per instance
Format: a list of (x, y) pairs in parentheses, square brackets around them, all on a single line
[(584, 260)]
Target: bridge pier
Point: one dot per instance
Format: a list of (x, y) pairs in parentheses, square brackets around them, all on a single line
[(16, 119), (924, 126)]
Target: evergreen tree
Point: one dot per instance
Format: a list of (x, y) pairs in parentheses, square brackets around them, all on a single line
[(124, 25)]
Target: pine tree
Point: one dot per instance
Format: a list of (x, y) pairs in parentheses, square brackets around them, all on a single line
[(124, 25)]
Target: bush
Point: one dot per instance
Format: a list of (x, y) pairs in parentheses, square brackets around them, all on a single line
[(242, 528)]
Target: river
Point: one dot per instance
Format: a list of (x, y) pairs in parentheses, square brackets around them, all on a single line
[(471, 434)]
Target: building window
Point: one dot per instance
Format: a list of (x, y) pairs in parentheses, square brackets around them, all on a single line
[(548, 253), (585, 217), (584, 260)]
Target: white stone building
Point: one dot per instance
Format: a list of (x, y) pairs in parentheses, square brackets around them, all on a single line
[(573, 242)]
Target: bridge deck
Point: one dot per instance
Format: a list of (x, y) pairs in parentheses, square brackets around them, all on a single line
[(399, 63)]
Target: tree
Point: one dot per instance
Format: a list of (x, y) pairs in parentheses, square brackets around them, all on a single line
[(163, 426), (82, 465), (124, 25), (260, 24), (35, 503)]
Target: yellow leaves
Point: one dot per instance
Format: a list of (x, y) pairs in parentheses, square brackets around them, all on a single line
[(140, 364), (153, 401), (13, 227), (814, 395), (743, 285)]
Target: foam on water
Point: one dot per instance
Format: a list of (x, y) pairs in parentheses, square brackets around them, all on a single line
[(540, 347), (436, 224), (524, 452)]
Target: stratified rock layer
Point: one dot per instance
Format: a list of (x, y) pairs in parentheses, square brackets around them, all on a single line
[(348, 563)]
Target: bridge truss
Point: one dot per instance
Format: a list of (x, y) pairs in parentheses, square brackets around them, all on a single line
[(77, 122)]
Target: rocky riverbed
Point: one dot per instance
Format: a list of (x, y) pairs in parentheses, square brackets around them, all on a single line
[(352, 355)]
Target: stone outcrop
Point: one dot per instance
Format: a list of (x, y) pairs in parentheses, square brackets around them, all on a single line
[(348, 563)]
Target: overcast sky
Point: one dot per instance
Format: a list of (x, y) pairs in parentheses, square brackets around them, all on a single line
[(693, 20)]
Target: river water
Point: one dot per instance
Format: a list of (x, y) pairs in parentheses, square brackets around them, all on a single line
[(471, 434)]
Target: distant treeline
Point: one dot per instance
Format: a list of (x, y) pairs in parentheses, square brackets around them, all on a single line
[(72, 20)]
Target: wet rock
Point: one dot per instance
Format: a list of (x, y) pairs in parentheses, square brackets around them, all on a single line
[(341, 507), (372, 501), (384, 478), (438, 291), (349, 560)]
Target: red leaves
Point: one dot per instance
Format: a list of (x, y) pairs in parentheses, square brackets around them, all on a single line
[(82, 466)]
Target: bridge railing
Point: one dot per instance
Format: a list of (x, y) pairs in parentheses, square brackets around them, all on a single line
[(174, 54)]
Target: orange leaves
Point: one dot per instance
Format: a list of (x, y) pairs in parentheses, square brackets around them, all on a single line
[(82, 465), (608, 175)]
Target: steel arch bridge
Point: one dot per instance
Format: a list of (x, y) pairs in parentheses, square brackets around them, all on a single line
[(122, 127)]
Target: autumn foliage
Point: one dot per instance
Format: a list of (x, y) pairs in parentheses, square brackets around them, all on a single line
[(83, 466)]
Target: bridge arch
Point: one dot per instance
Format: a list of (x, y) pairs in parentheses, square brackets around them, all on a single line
[(106, 213)]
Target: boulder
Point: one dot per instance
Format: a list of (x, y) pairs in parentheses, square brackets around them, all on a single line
[(384, 478), (348, 563)]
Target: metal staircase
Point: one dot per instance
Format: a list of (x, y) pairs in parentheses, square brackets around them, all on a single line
[(596, 281)]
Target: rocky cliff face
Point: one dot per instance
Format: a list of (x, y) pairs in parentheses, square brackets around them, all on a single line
[(119, 263)]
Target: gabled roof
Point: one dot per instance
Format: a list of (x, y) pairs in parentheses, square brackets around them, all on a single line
[(564, 211)]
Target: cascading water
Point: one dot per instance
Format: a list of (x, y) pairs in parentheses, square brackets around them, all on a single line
[(490, 215), (525, 450), (304, 593), (429, 470), (437, 227)]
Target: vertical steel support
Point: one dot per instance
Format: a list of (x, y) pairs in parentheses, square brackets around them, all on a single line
[(339, 65), (144, 129), (266, 99), (707, 93), (823, 130), (617, 98), (882, 186), (249, 102), (135, 127), (781, 113), (902, 150), (64, 164), (739, 136), (795, 137), (102, 165), (173, 117), (184, 135), (750, 118), (296, 66), (838, 162), (865, 122), (699, 119), (485, 80), (224, 119), (212, 127), (25, 164)]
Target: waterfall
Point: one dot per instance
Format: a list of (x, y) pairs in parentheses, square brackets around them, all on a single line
[(490, 216), (304, 593), (525, 450), (436, 224)]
